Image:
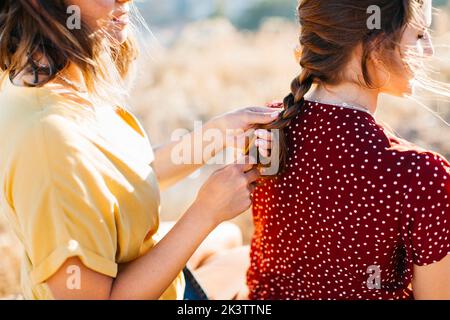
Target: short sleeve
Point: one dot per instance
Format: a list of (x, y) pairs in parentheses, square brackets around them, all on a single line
[(427, 209), (61, 201)]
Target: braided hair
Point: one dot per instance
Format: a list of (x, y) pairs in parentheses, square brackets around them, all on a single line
[(330, 32)]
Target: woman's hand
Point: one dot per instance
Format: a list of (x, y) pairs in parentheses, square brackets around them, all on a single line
[(233, 129), (235, 125), (227, 193)]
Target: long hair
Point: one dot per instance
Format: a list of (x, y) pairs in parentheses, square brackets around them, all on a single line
[(27, 30), (330, 31)]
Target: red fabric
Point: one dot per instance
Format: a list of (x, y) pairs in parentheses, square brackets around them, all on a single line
[(353, 196)]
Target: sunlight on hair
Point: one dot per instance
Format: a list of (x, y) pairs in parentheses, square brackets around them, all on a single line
[(147, 41), (423, 105), (39, 43)]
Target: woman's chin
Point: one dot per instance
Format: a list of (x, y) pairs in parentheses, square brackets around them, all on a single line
[(403, 90), (120, 36)]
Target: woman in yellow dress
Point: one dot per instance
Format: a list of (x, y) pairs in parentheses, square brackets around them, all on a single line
[(80, 181)]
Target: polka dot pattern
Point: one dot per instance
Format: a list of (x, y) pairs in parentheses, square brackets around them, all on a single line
[(353, 196)]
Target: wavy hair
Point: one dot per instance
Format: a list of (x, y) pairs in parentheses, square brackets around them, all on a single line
[(34, 30)]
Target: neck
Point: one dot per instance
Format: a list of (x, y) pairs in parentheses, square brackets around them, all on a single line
[(70, 76), (73, 75), (345, 93)]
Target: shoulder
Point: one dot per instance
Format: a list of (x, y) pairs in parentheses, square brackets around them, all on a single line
[(411, 156), (432, 167), (29, 112), (427, 209), (428, 190), (20, 102), (47, 132), (52, 124)]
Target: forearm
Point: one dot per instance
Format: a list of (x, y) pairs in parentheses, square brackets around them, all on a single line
[(432, 282), (205, 142), (177, 160), (150, 275)]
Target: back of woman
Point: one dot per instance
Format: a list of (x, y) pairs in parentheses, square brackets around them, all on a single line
[(355, 212), (354, 201)]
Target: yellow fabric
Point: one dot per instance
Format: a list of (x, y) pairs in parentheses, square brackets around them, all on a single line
[(76, 181)]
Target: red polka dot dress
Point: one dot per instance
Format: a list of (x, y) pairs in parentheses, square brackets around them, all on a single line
[(356, 208)]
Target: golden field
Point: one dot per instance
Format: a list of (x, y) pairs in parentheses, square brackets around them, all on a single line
[(213, 68)]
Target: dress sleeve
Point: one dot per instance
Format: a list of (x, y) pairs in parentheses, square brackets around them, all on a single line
[(61, 201), (427, 209)]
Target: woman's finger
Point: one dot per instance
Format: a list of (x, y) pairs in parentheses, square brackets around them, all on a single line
[(275, 104), (264, 134), (252, 175), (264, 152), (267, 109), (264, 147), (262, 117), (245, 164), (263, 144)]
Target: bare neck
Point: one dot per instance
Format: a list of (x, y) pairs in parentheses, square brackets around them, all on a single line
[(345, 93), (71, 76)]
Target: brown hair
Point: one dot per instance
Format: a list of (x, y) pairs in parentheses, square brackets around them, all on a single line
[(330, 31), (28, 30)]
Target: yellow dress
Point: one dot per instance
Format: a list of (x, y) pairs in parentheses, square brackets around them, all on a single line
[(76, 181)]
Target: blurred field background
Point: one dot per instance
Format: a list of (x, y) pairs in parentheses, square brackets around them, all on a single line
[(212, 56)]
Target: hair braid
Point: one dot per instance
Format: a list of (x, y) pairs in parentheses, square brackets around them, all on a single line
[(292, 106)]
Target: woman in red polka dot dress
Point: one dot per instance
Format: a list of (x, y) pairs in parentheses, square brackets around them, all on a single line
[(355, 212)]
